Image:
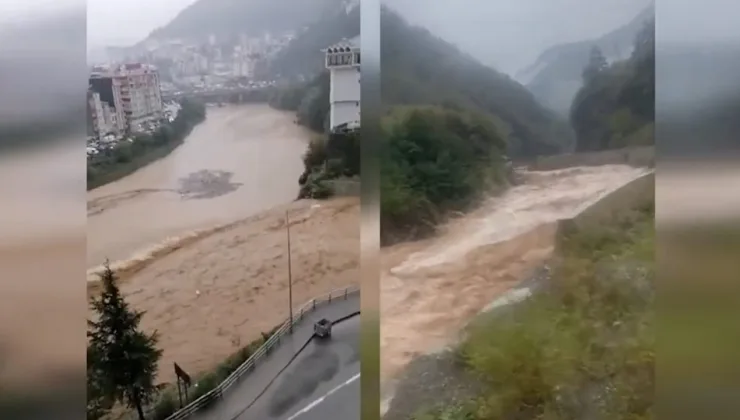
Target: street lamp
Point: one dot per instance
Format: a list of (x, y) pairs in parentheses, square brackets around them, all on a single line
[(290, 272)]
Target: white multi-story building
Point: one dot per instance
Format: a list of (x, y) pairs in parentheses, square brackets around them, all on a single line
[(343, 61), (132, 92), (141, 95)]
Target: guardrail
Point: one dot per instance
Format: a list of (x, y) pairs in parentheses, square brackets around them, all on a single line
[(249, 364)]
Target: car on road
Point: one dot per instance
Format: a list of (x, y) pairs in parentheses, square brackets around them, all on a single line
[(322, 328)]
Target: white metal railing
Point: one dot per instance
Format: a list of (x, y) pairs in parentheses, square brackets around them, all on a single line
[(264, 349)]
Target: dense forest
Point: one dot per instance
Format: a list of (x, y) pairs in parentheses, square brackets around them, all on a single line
[(433, 160), (616, 106)]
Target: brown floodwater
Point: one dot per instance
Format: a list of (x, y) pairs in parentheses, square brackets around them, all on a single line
[(431, 289), (241, 160)]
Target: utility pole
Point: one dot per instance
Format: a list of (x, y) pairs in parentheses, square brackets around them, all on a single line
[(290, 272)]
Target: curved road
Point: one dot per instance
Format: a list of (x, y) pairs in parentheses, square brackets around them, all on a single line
[(321, 382)]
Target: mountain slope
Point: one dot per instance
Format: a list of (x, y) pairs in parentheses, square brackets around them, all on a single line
[(555, 77), (252, 17), (303, 56), (419, 68), (616, 106)]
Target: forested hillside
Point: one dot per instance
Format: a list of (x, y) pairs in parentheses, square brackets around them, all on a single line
[(555, 77), (303, 56), (616, 106), (420, 68)]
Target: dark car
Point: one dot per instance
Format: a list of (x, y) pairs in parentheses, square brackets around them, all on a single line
[(322, 328)]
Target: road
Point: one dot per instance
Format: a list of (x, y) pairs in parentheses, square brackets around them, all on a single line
[(317, 370), (322, 382)]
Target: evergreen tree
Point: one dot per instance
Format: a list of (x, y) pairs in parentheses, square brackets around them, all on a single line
[(596, 64), (122, 358), (97, 403)]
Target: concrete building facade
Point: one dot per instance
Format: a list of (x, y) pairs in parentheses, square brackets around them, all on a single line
[(130, 95), (343, 62)]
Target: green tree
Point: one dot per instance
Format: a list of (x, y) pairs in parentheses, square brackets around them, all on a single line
[(122, 358), (616, 106), (596, 64), (97, 403)]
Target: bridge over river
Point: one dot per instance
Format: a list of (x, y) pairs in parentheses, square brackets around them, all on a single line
[(225, 95)]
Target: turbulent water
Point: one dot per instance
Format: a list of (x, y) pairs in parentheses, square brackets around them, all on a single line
[(431, 289), (241, 160)]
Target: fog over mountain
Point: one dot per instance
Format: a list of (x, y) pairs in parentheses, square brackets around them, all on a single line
[(509, 35)]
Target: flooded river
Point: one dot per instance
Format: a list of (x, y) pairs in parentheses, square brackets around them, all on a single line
[(431, 289), (241, 160)]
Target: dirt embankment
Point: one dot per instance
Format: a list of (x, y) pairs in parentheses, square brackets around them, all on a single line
[(220, 290)]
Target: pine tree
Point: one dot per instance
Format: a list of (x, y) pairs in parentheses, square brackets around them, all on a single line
[(123, 359)]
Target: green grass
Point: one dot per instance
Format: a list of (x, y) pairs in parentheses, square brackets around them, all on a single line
[(582, 349)]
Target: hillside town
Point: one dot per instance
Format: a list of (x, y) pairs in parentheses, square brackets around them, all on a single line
[(186, 65), (128, 90)]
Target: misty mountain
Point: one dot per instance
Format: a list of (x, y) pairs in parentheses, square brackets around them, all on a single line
[(227, 18), (420, 68), (555, 77), (615, 108), (303, 56)]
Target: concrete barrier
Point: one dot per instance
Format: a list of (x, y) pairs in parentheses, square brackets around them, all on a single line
[(633, 195), (345, 187), (635, 156)]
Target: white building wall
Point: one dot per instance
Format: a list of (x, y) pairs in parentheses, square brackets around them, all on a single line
[(344, 112), (344, 95)]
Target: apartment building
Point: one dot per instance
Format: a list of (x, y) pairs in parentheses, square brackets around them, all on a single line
[(103, 119), (141, 96), (132, 95)]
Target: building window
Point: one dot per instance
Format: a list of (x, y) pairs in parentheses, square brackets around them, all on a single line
[(357, 58)]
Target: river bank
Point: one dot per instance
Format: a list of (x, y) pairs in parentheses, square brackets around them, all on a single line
[(129, 155)]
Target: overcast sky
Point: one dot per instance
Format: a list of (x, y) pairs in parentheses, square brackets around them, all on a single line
[(510, 34), (125, 22)]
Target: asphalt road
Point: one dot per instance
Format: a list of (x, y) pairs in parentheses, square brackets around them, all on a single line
[(321, 383), (320, 367)]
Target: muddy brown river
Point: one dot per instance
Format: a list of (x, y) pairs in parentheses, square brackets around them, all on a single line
[(241, 160)]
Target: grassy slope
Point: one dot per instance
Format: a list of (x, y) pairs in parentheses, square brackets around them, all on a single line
[(585, 348)]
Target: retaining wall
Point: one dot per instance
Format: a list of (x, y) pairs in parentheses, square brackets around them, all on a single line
[(345, 187), (634, 156), (633, 195)]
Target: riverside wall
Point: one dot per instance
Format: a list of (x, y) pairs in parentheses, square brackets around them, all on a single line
[(634, 156), (345, 187), (638, 193)]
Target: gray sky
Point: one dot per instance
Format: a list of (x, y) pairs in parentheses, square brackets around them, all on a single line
[(126, 22), (510, 34), (697, 22)]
